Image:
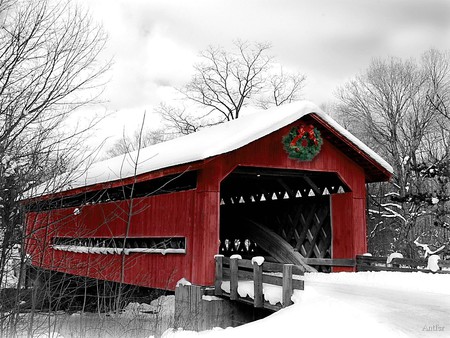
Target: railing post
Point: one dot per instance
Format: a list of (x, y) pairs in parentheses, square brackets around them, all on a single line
[(234, 278), (219, 275), (258, 287), (395, 263), (287, 285)]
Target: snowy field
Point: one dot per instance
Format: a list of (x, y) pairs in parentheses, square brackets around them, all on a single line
[(364, 304), (136, 321)]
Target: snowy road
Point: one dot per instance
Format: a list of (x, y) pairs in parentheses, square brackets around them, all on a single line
[(417, 314), (415, 304)]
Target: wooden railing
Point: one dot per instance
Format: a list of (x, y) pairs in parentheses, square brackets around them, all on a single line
[(370, 263), (329, 262), (235, 270)]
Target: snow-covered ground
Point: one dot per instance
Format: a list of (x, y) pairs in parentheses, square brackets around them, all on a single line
[(365, 304), (136, 321)]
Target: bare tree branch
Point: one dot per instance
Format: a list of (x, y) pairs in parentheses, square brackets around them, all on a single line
[(50, 64), (281, 88), (399, 108)]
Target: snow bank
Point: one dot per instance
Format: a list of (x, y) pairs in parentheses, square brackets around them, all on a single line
[(133, 309), (163, 306), (397, 281), (433, 261)]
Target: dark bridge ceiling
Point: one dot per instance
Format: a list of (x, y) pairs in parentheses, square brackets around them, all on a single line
[(250, 184)]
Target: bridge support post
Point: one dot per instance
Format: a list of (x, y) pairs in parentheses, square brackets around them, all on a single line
[(234, 279), (258, 285), (188, 300), (219, 275), (287, 285), (196, 309)]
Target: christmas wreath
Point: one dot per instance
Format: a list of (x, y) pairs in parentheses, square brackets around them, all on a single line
[(303, 142)]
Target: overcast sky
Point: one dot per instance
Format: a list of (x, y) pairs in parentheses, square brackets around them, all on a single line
[(155, 42)]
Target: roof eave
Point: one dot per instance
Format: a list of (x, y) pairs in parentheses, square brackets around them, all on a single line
[(374, 171)]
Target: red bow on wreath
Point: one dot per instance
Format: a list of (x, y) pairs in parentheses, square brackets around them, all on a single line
[(304, 131)]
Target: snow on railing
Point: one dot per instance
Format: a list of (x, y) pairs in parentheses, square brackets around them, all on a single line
[(239, 279)]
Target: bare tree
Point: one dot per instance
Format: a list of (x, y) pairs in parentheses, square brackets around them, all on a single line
[(438, 67), (50, 64), (128, 144), (225, 81), (179, 121), (281, 88), (389, 107)]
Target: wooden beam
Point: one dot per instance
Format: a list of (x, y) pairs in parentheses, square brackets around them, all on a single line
[(287, 285), (313, 186), (219, 276), (234, 279), (330, 262), (258, 285), (275, 245), (316, 232), (287, 188), (305, 223)]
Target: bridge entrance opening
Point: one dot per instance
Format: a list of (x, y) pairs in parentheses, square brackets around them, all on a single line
[(283, 215)]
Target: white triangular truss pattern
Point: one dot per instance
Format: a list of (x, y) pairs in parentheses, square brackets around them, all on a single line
[(279, 195)]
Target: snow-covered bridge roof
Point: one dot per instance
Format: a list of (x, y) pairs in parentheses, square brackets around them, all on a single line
[(206, 143)]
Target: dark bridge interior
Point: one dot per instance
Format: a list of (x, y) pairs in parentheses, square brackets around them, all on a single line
[(273, 207)]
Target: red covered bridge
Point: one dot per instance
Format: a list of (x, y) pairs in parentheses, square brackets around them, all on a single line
[(163, 213)]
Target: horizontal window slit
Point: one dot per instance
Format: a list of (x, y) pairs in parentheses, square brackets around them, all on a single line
[(163, 245)]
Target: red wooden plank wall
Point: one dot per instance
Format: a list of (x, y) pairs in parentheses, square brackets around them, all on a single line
[(163, 215)]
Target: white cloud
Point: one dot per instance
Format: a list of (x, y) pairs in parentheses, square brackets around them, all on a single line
[(155, 43)]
